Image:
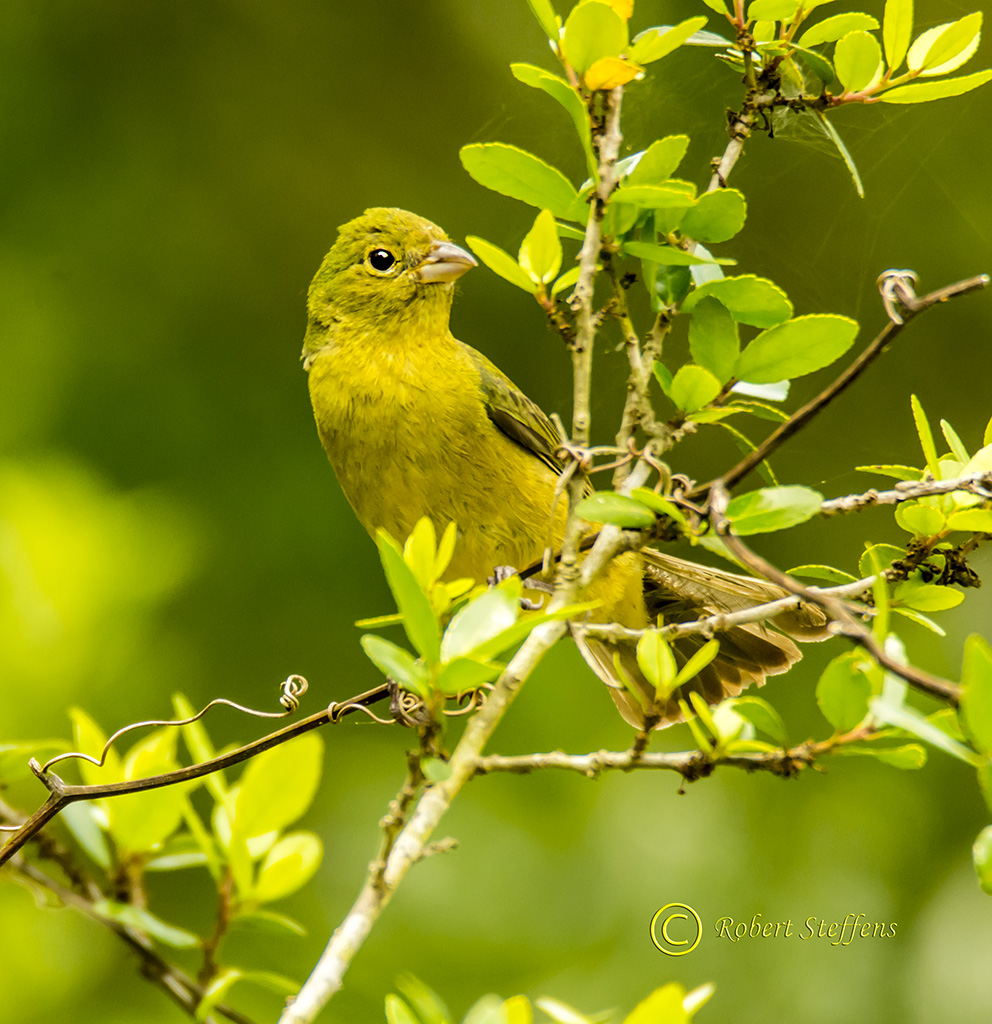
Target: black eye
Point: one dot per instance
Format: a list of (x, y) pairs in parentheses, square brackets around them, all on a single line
[(381, 259)]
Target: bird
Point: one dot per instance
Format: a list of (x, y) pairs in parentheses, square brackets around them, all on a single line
[(417, 423)]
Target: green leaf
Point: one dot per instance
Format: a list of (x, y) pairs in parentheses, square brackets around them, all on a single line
[(663, 376), (772, 10), (397, 1012), (655, 43), (593, 30), (656, 660), (972, 520), (461, 674), (659, 161), (976, 698), (713, 338), (693, 387), (428, 1004), (719, 6), (762, 716), (912, 721), (89, 738), (920, 520), (668, 255), (697, 661), (716, 217), (502, 263), (751, 300), (880, 556), (615, 509), (826, 573), (269, 922), (895, 471), (923, 92), (954, 442), (831, 29), (856, 59), (796, 347), (946, 47), (982, 856), (288, 866), (906, 757), (545, 14), (659, 504), (663, 1006), (772, 508), (396, 663), (279, 785), (481, 619), (816, 63), (540, 253), (81, 820), (897, 29), (419, 620), (655, 197), (511, 636), (144, 921), (831, 132), (843, 691), (558, 89), (420, 551), (521, 175), (567, 280), (927, 597)]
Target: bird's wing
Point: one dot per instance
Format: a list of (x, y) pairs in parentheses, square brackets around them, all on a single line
[(515, 415)]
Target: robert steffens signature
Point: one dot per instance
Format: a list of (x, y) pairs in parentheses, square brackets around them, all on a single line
[(840, 933)]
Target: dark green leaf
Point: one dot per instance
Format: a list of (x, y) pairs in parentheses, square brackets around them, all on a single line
[(713, 338), (796, 347), (521, 175), (772, 508)]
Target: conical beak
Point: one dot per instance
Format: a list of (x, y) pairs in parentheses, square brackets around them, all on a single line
[(445, 262)]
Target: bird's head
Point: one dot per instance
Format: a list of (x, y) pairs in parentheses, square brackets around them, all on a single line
[(386, 266)]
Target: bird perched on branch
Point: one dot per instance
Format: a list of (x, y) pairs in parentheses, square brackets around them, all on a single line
[(417, 423)]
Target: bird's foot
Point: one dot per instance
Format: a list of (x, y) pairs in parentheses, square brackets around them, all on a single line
[(505, 572)]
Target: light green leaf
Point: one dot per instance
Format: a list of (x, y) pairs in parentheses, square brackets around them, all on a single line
[(615, 509), (920, 520), (973, 520), (831, 132), (488, 1009), (511, 636), (656, 660), (81, 821), (751, 300), (288, 866), (697, 661), (663, 1006), (816, 63), (895, 471), (545, 14), (481, 619), (719, 6), (420, 551), (461, 674), (927, 597), (655, 197), (517, 1010), (716, 217), (946, 47), (772, 10), (89, 738), (567, 280), (593, 30), (908, 718), (923, 92), (925, 435), (397, 1012), (713, 338), (655, 43), (428, 1004), (658, 503), (693, 387), (419, 620), (558, 89), (144, 921), (540, 253), (521, 175), (762, 716), (668, 255), (663, 376), (878, 557), (856, 59), (502, 263), (659, 161), (772, 508), (279, 784), (982, 856), (976, 698), (844, 689), (897, 29), (831, 29), (954, 442), (906, 757), (796, 347), (827, 573)]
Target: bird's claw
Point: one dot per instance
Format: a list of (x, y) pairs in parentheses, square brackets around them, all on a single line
[(505, 572)]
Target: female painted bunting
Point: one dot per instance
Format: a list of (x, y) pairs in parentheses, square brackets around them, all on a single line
[(416, 423)]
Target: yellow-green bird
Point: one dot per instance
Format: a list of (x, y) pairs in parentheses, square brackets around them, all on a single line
[(416, 423)]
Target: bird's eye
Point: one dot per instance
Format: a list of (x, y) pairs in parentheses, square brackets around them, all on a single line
[(381, 260)]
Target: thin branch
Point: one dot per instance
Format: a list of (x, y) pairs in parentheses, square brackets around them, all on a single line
[(979, 484), (800, 418), (739, 128)]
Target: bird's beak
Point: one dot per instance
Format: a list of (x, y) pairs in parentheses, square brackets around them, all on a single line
[(445, 262)]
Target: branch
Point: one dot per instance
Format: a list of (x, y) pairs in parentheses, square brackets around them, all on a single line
[(975, 483), (800, 418)]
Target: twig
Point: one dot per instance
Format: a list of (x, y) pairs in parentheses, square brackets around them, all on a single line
[(975, 483), (739, 128), (801, 417), (843, 623)]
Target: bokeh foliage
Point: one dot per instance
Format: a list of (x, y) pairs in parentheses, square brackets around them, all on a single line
[(173, 174)]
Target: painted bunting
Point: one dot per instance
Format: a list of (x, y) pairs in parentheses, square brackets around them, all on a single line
[(417, 423)]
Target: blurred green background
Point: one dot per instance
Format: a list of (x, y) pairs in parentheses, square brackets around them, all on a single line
[(171, 175)]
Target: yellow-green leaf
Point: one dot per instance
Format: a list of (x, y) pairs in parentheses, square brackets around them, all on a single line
[(924, 92), (656, 43), (540, 253), (502, 263), (856, 59), (897, 29)]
